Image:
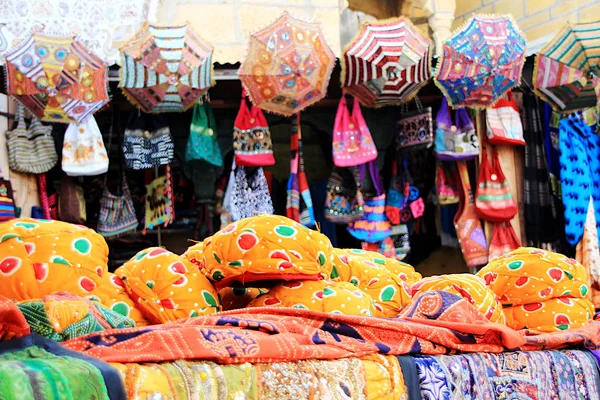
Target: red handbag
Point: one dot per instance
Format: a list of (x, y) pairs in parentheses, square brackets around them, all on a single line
[(504, 240), (493, 199), (468, 227), (252, 143)]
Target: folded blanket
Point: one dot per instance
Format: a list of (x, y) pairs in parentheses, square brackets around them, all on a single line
[(434, 323)]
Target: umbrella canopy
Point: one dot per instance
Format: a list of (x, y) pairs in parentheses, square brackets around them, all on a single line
[(57, 78), (386, 63), (481, 62), (166, 69), (288, 66), (567, 69)]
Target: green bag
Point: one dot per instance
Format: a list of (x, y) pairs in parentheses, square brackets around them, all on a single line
[(202, 144)]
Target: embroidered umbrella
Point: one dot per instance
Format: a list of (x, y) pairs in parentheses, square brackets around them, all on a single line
[(57, 78), (481, 62), (288, 66), (386, 63), (567, 69), (166, 69)]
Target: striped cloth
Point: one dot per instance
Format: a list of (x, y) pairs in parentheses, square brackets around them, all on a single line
[(567, 70)]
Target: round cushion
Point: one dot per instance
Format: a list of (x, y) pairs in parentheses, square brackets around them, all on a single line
[(558, 314)]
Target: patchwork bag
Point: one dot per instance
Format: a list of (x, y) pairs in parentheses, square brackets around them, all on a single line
[(7, 203), (373, 226), (504, 124), (83, 152), (344, 202), (147, 142), (31, 150), (414, 130), (403, 202), (159, 203), (251, 137), (455, 141), (117, 214), (352, 141), (493, 199), (202, 144), (467, 224)]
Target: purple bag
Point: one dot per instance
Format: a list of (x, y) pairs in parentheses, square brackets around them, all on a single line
[(458, 141)]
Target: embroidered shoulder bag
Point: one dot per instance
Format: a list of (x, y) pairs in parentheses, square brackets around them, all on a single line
[(344, 202), (373, 226), (83, 152), (493, 199), (352, 141), (251, 137), (455, 141), (147, 142), (414, 130), (467, 224), (504, 123), (249, 195), (202, 145)]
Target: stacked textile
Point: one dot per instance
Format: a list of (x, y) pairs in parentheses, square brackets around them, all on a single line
[(540, 290)]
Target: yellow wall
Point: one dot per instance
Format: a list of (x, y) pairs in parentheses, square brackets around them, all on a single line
[(227, 24), (538, 19)]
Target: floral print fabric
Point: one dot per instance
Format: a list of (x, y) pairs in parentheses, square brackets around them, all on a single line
[(40, 257), (166, 287), (529, 275), (470, 287), (324, 296), (267, 247)]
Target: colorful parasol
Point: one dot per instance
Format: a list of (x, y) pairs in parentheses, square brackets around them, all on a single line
[(481, 62), (567, 69), (166, 69), (386, 63), (57, 78), (288, 66)]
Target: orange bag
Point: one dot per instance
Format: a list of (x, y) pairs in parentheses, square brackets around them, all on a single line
[(468, 227)]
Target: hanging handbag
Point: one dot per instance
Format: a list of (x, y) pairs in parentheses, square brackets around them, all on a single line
[(71, 201), (299, 205), (493, 199), (31, 150), (249, 195), (251, 137), (117, 214), (414, 130), (373, 226), (467, 224), (147, 142), (83, 152), (344, 202), (48, 201), (352, 141), (446, 183), (202, 145), (504, 240), (403, 202), (8, 210), (158, 203), (504, 123), (455, 141)]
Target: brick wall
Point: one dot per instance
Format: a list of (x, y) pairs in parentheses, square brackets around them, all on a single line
[(227, 24), (538, 19)]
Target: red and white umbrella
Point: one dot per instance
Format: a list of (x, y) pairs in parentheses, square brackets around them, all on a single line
[(386, 63)]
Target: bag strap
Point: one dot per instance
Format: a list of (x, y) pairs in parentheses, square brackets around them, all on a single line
[(443, 114), (20, 116), (462, 119), (212, 124), (374, 172), (358, 116), (463, 173)]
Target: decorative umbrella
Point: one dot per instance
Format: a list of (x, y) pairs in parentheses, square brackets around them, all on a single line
[(481, 62), (386, 63), (567, 69), (57, 78), (288, 66), (166, 69)]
